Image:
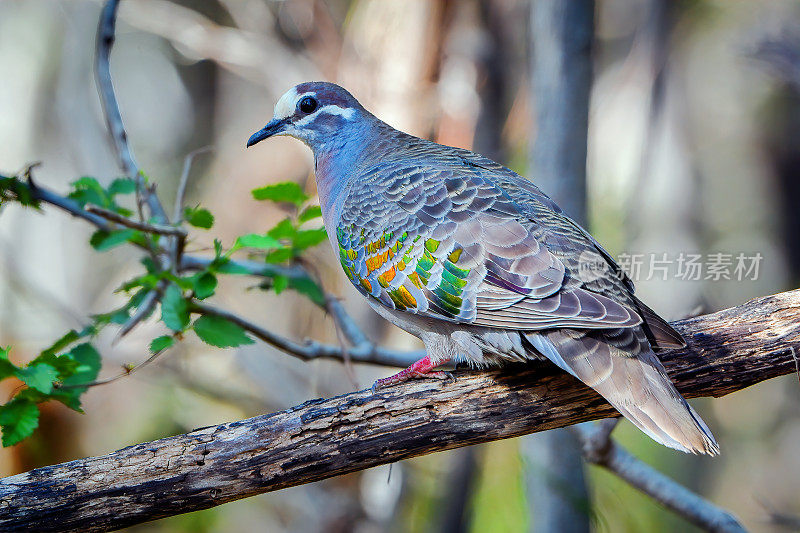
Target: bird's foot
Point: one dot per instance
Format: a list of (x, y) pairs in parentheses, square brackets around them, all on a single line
[(420, 369)]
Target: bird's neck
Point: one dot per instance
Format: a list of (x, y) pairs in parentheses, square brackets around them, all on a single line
[(336, 163)]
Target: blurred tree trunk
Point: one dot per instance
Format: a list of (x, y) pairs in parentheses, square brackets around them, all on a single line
[(495, 63), (561, 75)]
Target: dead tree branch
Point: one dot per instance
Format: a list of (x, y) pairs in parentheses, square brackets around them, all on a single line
[(727, 351)]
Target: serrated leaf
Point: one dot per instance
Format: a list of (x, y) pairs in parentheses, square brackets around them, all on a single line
[(103, 240), (198, 217), (161, 343), (204, 285), (279, 283), (254, 240), (281, 192), (308, 238), (310, 213), (174, 309), (220, 332), (18, 420), (39, 376), (7, 368)]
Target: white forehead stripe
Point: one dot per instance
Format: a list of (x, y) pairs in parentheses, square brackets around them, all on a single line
[(285, 106)]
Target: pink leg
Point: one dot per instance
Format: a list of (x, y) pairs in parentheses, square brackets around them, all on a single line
[(420, 369)]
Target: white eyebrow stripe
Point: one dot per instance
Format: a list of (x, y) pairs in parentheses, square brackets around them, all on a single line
[(285, 106), (331, 109)]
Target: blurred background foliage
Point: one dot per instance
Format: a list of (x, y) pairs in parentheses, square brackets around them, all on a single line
[(694, 146)]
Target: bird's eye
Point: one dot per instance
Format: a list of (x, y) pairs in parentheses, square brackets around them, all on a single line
[(307, 105)]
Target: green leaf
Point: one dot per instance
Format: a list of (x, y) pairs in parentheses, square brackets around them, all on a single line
[(281, 192), (198, 217), (279, 256), (122, 186), (88, 360), (161, 343), (67, 339), (18, 419), (308, 288), (174, 309), (308, 238), (204, 285), (39, 376), (7, 368), (65, 365), (103, 240), (220, 332), (15, 190), (232, 268), (279, 283), (283, 230), (89, 191), (148, 281), (253, 240), (310, 213)]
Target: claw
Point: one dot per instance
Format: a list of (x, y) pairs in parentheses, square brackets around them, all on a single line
[(419, 370)]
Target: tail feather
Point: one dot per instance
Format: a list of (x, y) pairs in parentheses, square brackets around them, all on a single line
[(621, 366)]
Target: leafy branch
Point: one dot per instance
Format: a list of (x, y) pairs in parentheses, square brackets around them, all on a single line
[(176, 284)]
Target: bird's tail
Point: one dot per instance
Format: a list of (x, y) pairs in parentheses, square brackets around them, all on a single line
[(621, 366)]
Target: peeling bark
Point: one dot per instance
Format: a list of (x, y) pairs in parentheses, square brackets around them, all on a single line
[(727, 351)]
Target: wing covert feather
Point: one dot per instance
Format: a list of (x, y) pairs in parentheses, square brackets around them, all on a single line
[(454, 246)]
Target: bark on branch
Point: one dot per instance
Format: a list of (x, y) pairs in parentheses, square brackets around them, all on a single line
[(727, 351)]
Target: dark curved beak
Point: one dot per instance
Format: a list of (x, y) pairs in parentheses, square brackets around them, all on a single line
[(272, 128)]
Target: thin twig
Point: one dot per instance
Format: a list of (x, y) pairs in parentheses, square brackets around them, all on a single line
[(177, 212), (105, 41), (311, 349), (251, 268), (596, 439), (70, 206), (344, 321), (158, 229), (143, 311), (128, 371), (346, 331), (602, 451)]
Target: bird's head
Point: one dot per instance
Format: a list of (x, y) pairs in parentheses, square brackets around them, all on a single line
[(316, 113)]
